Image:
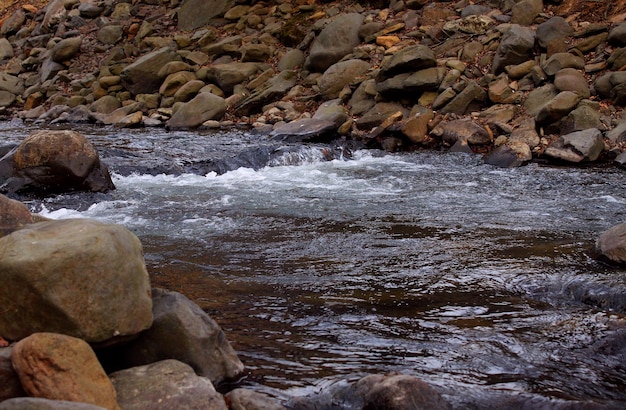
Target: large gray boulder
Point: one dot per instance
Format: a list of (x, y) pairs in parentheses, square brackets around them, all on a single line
[(165, 385), (54, 161), (97, 291), (142, 76), (516, 46), (182, 331), (335, 41), (611, 244), (579, 146), (203, 107)]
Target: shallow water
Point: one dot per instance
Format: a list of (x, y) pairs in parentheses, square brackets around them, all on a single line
[(481, 281)]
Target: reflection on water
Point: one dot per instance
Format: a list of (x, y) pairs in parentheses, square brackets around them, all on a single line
[(479, 280)]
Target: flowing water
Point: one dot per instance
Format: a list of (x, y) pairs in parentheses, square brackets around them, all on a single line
[(479, 280)]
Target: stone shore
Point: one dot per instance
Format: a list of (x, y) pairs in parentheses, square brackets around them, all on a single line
[(520, 81)]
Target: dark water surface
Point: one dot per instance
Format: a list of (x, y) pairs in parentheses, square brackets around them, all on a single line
[(481, 281)]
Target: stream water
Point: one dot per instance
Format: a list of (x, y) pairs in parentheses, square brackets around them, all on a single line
[(479, 280)]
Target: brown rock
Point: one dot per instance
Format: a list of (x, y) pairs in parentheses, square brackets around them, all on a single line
[(13, 215), (60, 367), (612, 244)]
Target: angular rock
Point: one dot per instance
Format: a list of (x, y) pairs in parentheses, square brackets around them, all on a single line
[(408, 59), (142, 76), (379, 113), (428, 79), (184, 332), (305, 130), (464, 130), (559, 61), (558, 107), (6, 98), (582, 118), (271, 91), (255, 52), (203, 107), (60, 367), (416, 128), (516, 46), (611, 244), (97, 291), (338, 75), (579, 146), (362, 98), (509, 155), (335, 41), (164, 385), (33, 403), (500, 91), (461, 103), (538, 97)]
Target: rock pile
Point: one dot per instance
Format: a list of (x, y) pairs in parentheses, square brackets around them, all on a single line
[(519, 80)]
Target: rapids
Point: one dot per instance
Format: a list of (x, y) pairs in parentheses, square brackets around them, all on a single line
[(481, 281)]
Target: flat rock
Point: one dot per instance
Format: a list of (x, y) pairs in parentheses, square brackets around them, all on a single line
[(576, 147), (305, 129), (408, 59), (165, 385)]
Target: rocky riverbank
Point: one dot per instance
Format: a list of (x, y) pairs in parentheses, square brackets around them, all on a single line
[(518, 80)]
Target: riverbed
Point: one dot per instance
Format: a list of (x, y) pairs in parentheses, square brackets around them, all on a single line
[(481, 281)]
